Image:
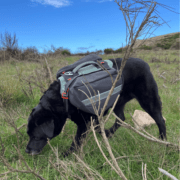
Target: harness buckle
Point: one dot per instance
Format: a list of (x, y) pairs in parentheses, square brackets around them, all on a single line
[(64, 95), (69, 73)]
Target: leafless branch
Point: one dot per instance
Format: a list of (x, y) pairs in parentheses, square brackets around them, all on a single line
[(50, 74), (92, 128), (144, 171), (126, 56), (151, 138), (86, 166), (167, 174), (63, 167), (123, 157), (11, 169)]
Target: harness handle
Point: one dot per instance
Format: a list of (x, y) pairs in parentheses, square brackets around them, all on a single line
[(84, 64)]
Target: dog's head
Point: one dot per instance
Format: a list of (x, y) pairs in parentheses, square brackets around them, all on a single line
[(46, 120)]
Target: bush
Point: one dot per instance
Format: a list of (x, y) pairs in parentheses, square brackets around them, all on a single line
[(145, 47), (164, 46), (119, 50), (108, 51), (66, 52), (30, 53), (9, 44)]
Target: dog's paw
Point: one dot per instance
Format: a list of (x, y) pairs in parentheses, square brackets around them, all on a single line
[(162, 137)]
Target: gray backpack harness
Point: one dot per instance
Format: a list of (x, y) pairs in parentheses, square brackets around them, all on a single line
[(88, 83)]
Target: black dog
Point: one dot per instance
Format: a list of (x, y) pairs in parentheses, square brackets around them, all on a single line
[(48, 117)]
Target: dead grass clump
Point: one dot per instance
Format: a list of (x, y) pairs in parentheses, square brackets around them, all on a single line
[(154, 59)]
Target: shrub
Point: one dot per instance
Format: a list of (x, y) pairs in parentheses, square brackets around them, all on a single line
[(164, 46), (108, 51), (66, 52), (118, 50), (30, 53), (145, 47), (8, 41)]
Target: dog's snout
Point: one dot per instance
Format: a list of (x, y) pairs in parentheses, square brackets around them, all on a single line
[(32, 152)]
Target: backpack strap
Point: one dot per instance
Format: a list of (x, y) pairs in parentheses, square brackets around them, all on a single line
[(84, 64), (63, 83), (63, 93)]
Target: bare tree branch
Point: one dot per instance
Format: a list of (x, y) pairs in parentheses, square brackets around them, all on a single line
[(92, 128), (126, 56), (167, 174), (151, 138), (50, 74)]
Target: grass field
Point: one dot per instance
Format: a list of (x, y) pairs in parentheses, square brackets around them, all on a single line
[(21, 86)]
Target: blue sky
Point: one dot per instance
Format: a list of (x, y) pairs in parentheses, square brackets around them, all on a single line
[(79, 25)]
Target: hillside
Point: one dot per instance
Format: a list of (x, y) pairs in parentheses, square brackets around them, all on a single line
[(167, 41)]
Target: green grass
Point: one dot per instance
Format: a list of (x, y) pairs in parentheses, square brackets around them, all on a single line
[(124, 143)]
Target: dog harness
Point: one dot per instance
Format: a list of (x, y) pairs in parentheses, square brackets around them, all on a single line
[(88, 85)]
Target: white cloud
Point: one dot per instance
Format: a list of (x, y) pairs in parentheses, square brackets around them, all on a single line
[(55, 3)]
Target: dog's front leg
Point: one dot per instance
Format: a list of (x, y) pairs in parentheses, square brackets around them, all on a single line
[(78, 140)]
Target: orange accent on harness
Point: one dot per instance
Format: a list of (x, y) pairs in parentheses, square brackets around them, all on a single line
[(63, 96)]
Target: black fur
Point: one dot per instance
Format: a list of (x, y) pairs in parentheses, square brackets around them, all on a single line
[(48, 117)]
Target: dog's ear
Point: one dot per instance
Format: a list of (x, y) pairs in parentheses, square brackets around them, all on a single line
[(48, 128)]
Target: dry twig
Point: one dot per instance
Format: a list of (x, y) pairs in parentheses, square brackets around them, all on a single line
[(92, 128), (150, 138), (11, 169), (50, 74), (167, 174), (144, 171)]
